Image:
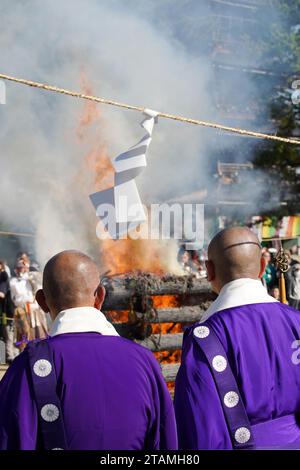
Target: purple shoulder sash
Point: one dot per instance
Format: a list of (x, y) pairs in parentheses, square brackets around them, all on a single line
[(233, 407), (51, 424)]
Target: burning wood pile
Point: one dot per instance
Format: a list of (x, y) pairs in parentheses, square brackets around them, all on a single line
[(153, 311)]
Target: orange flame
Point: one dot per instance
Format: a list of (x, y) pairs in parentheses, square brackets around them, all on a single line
[(117, 256), (123, 256), (118, 316), (167, 357), (96, 160), (165, 301), (166, 328)]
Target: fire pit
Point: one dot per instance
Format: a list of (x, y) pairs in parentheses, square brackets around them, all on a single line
[(154, 310)]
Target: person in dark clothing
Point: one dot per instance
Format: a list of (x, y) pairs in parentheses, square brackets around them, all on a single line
[(6, 314), (269, 277), (293, 286), (4, 288)]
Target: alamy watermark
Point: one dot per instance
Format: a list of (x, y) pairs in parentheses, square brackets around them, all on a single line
[(182, 222), (296, 354)]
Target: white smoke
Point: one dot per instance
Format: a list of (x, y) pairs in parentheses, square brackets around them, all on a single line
[(126, 57)]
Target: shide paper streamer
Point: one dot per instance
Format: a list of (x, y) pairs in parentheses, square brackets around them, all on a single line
[(120, 208)]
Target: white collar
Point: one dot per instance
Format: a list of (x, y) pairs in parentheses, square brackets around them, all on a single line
[(239, 292), (81, 320)]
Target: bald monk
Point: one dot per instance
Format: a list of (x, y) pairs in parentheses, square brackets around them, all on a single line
[(239, 382), (85, 387)]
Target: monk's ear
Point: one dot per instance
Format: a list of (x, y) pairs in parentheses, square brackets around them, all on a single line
[(262, 267), (41, 300), (99, 297), (210, 269)]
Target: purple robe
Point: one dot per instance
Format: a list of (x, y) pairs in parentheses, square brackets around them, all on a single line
[(111, 391), (262, 348)]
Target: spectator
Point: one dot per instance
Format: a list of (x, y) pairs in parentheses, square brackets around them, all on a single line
[(275, 292), (293, 286), (4, 284), (295, 252), (198, 265), (269, 277), (6, 268), (290, 258), (30, 321), (185, 262), (6, 315), (24, 258)]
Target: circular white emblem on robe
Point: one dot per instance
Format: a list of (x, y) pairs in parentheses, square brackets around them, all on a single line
[(42, 368), (242, 435), (219, 363), (50, 412), (201, 331), (231, 399)]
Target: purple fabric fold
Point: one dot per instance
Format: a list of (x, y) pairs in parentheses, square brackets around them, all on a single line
[(111, 391), (283, 432), (259, 341)]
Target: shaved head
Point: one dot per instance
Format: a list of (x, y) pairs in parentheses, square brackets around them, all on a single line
[(234, 253), (70, 279)]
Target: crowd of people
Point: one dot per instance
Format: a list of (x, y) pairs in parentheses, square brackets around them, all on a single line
[(21, 318), (270, 277), (86, 387), (193, 262)]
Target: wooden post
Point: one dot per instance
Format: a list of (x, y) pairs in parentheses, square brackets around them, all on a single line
[(283, 266), (282, 289)]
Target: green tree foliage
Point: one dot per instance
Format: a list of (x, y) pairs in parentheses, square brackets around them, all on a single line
[(281, 54)]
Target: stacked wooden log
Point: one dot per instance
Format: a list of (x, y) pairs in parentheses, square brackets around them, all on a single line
[(135, 294)]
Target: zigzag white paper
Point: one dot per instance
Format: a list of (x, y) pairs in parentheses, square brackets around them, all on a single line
[(127, 211)]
